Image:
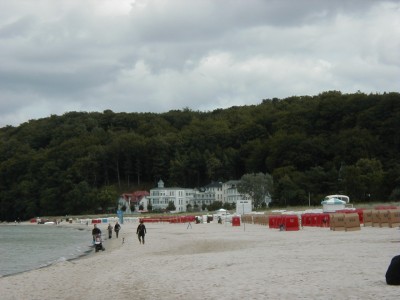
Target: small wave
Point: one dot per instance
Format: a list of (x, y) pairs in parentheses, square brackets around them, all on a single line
[(61, 259), (48, 245), (48, 264)]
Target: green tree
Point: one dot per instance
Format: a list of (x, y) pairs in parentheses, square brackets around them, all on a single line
[(372, 176), (215, 205), (259, 186), (79, 200), (54, 165), (395, 195), (364, 180), (171, 206), (288, 191), (107, 197), (213, 164), (228, 206), (149, 206)]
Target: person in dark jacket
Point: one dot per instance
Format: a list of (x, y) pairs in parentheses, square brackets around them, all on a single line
[(117, 228), (393, 271), (95, 231), (141, 232), (109, 229)]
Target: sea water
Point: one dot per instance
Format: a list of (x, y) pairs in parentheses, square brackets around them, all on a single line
[(28, 247)]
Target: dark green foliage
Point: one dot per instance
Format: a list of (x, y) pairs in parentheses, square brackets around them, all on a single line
[(149, 206), (259, 186), (311, 145), (214, 206), (171, 206)]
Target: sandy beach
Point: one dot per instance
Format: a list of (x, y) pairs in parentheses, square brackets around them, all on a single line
[(214, 261)]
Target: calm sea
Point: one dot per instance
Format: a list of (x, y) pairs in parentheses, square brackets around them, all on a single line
[(26, 248)]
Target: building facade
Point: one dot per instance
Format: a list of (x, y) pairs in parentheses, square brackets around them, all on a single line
[(161, 196), (217, 189), (226, 192), (230, 193), (132, 200), (202, 197)]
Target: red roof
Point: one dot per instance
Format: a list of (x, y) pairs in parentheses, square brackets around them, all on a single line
[(135, 197)]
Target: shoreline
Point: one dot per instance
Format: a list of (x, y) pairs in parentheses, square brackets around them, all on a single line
[(107, 243)]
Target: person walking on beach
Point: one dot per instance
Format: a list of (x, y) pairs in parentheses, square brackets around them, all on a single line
[(95, 232), (109, 229), (141, 231), (117, 228)]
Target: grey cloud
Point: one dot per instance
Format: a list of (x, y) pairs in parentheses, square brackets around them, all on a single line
[(17, 28), (202, 54)]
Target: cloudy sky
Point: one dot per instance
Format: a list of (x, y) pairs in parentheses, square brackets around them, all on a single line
[(160, 55)]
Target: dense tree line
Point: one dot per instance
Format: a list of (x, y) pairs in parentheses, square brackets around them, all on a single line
[(311, 145)]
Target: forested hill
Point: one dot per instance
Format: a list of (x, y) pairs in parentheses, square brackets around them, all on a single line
[(311, 145)]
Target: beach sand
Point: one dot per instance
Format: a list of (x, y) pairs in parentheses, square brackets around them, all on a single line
[(214, 261)]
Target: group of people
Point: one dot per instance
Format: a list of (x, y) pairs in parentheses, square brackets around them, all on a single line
[(140, 231), (117, 228)]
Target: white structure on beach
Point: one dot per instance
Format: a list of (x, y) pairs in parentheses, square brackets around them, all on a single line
[(332, 205), (340, 197), (243, 207)]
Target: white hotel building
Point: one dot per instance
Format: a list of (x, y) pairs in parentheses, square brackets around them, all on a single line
[(215, 191), (161, 196)]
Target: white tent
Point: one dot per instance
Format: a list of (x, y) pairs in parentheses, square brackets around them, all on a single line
[(221, 212)]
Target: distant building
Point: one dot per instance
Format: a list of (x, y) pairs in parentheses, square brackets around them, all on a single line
[(231, 194), (216, 188), (161, 196), (203, 196), (143, 203), (133, 199)]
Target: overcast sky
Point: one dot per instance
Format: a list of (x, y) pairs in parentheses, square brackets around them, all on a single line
[(160, 55)]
